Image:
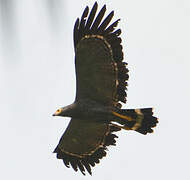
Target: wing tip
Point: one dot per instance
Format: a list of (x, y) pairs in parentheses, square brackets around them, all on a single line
[(97, 28)]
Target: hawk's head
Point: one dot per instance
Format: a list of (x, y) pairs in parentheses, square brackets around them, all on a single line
[(66, 111)]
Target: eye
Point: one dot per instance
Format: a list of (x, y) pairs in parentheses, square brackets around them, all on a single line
[(59, 110)]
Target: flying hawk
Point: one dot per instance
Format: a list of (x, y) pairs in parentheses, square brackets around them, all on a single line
[(101, 77)]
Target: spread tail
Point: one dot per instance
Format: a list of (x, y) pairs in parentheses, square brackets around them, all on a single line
[(140, 120)]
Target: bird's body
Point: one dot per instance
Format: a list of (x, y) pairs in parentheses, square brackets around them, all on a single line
[(101, 77)]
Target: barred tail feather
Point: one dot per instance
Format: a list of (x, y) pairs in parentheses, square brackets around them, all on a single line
[(142, 120)]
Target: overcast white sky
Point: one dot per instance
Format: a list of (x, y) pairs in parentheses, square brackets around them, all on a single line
[(37, 76)]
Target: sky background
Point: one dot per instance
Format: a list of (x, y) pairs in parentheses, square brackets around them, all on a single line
[(37, 76)]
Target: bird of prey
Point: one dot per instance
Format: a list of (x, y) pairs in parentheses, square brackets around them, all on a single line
[(101, 78)]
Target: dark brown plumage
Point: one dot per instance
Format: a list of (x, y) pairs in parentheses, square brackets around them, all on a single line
[(101, 78)]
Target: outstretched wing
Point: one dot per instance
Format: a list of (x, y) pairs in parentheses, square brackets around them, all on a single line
[(101, 75), (84, 143)]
